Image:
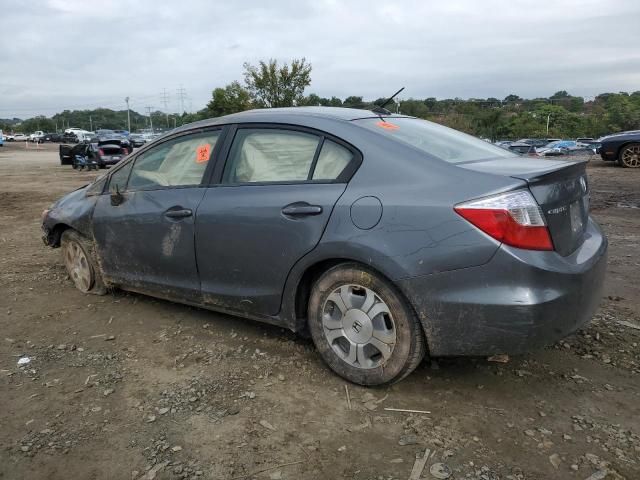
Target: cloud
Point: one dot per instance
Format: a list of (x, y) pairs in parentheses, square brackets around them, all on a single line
[(82, 54)]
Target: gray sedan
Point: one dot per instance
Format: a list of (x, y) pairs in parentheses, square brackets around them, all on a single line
[(384, 237)]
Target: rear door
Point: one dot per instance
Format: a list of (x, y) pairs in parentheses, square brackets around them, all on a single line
[(268, 208), (146, 239)]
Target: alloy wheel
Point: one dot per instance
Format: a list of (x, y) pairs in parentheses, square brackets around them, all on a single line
[(78, 266), (631, 156), (359, 326)]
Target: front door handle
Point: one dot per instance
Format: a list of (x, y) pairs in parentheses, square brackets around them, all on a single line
[(301, 209), (181, 213)]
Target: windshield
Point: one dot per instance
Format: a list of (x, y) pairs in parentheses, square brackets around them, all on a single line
[(437, 140)]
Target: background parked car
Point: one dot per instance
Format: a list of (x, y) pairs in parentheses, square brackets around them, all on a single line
[(623, 148), (137, 140), (19, 137), (535, 142), (1, 139), (52, 137), (69, 137), (503, 143), (36, 137), (554, 149), (104, 153), (522, 148)]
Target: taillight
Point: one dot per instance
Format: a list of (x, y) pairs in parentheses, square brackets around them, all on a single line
[(514, 218), (101, 152)]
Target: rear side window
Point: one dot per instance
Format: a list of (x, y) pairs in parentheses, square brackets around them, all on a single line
[(178, 162), (332, 161), (270, 155), (439, 141)]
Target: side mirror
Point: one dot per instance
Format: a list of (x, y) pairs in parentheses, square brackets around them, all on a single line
[(116, 197)]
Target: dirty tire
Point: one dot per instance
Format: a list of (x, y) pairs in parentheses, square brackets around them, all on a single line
[(80, 261), (409, 347), (630, 156)]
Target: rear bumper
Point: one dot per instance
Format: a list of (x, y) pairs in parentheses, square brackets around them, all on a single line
[(108, 162), (519, 301)]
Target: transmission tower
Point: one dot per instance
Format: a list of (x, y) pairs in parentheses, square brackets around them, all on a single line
[(149, 110), (182, 94), (164, 97)]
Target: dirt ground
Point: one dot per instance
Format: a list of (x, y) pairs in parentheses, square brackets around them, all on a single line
[(125, 386)]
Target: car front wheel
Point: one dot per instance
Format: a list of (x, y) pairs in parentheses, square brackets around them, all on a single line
[(80, 263), (363, 327)]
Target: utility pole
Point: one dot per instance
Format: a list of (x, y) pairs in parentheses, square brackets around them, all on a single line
[(128, 116), (164, 96), (182, 93), (90, 124), (548, 118), (150, 119)]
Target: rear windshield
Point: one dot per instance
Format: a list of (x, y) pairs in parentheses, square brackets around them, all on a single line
[(441, 142)]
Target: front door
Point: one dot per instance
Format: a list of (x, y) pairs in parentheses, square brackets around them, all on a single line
[(144, 230), (270, 208)]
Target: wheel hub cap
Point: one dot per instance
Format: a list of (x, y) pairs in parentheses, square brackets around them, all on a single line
[(359, 326), (631, 157), (78, 266)]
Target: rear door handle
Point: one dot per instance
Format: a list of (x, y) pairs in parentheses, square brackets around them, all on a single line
[(301, 209), (181, 213)]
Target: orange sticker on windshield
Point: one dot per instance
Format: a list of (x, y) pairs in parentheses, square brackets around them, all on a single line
[(203, 152), (387, 125)]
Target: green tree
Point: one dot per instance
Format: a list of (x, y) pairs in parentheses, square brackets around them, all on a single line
[(230, 99), (271, 85), (353, 102)]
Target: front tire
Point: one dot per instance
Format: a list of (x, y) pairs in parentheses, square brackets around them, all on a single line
[(363, 327), (630, 156), (81, 264)]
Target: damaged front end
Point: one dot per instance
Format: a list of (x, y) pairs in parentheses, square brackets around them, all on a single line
[(74, 210)]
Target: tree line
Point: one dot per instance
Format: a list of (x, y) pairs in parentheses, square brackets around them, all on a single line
[(272, 84)]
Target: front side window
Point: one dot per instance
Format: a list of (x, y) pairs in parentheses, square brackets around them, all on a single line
[(270, 155), (118, 181), (178, 162)]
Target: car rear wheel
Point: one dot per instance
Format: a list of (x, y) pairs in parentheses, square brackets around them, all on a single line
[(363, 327), (630, 156), (81, 264)]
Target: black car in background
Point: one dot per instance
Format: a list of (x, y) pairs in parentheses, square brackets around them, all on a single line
[(52, 137), (137, 140), (105, 153), (623, 148), (69, 137), (534, 142), (522, 148)]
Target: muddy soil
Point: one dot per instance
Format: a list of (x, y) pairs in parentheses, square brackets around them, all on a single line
[(126, 386)]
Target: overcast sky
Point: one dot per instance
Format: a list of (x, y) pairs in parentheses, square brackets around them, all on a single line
[(58, 54)]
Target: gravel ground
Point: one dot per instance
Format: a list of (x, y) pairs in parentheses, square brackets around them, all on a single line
[(126, 386)]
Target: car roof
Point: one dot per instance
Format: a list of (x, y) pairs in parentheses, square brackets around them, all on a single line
[(285, 114)]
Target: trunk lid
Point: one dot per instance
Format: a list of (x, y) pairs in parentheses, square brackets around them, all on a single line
[(560, 187)]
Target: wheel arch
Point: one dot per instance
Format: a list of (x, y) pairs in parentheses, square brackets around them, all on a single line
[(55, 235), (623, 145), (297, 303)]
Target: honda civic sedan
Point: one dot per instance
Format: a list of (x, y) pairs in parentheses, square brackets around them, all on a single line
[(383, 237)]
